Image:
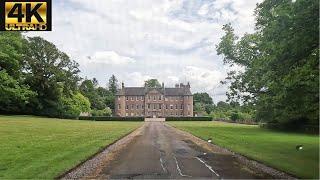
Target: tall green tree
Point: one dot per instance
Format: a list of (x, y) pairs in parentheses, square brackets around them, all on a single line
[(152, 83), (50, 73), (203, 101), (113, 84), (203, 98), (280, 62), (89, 90), (14, 94)]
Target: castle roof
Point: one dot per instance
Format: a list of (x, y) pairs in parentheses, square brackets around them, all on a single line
[(141, 91)]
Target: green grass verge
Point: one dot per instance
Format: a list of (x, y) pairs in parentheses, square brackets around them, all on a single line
[(276, 149), (42, 148)]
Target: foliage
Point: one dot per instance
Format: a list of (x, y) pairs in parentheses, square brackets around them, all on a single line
[(88, 89), (108, 118), (202, 118), (99, 97), (43, 148), (113, 85), (202, 98), (50, 73), (232, 111), (275, 149), (14, 96), (203, 103), (11, 47), (280, 62), (152, 83), (102, 112), (71, 107)]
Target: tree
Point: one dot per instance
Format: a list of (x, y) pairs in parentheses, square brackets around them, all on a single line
[(14, 94), (203, 98), (89, 90), (50, 73), (280, 62), (204, 101), (152, 83), (113, 84), (71, 107)]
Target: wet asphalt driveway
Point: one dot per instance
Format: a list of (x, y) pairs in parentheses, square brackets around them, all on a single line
[(161, 151)]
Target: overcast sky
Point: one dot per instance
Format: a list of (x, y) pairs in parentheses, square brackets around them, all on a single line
[(171, 40)]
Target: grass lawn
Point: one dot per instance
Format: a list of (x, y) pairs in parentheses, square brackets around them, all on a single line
[(276, 149), (42, 148)]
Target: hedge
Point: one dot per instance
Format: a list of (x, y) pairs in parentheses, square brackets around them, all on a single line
[(203, 118), (313, 129), (108, 118)]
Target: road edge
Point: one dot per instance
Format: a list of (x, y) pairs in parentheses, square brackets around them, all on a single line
[(251, 163), (94, 160)]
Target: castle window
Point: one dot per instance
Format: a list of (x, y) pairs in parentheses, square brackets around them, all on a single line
[(148, 106), (181, 106), (160, 97), (119, 106), (127, 107), (176, 106), (118, 97), (142, 106), (181, 113), (166, 106), (154, 106), (138, 106), (171, 106), (159, 106), (132, 106), (127, 98), (154, 98), (131, 98), (149, 97)]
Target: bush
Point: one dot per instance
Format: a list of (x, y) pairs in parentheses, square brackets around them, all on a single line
[(103, 112), (234, 116), (204, 118), (108, 118), (71, 107)]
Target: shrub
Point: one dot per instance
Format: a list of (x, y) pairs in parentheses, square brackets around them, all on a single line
[(203, 118), (103, 112), (71, 107), (108, 118)]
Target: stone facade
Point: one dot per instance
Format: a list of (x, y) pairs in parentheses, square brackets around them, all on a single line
[(154, 102)]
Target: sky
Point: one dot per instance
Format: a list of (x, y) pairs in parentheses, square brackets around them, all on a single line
[(171, 40)]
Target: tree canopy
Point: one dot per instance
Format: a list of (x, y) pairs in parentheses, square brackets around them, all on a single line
[(152, 83), (280, 62)]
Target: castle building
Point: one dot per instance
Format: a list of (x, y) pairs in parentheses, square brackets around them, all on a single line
[(154, 102)]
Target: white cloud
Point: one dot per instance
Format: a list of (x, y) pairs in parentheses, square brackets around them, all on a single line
[(169, 40), (110, 57)]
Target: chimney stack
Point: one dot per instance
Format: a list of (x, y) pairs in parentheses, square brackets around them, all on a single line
[(122, 85), (188, 85)]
